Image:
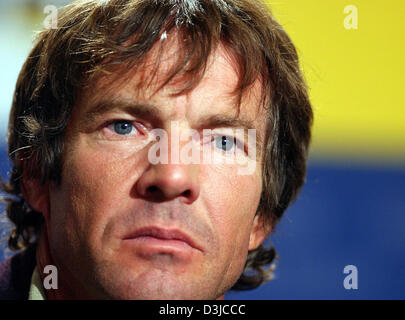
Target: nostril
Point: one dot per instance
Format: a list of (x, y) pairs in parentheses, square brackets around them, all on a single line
[(187, 193), (152, 190)]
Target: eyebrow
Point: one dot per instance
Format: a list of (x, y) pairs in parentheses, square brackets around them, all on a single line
[(154, 113), (142, 110), (226, 121)]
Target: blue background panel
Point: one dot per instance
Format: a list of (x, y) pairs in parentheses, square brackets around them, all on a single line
[(345, 215)]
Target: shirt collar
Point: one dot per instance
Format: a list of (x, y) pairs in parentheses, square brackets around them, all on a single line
[(37, 291)]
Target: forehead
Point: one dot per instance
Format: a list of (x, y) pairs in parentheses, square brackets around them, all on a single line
[(215, 93)]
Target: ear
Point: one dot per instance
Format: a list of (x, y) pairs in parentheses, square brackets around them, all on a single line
[(259, 232), (36, 195)]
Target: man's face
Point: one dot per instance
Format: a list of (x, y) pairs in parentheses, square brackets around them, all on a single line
[(122, 227)]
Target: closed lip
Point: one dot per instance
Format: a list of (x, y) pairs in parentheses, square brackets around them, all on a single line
[(163, 234)]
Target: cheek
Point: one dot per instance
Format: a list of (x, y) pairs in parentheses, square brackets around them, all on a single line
[(232, 200), (96, 184)]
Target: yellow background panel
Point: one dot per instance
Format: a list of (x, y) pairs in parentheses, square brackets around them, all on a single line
[(356, 77)]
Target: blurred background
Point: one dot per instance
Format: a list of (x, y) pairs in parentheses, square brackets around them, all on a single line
[(351, 210)]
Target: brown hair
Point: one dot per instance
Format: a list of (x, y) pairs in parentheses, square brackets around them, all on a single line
[(93, 36)]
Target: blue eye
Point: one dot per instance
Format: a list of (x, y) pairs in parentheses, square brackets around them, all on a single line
[(225, 143), (123, 127)]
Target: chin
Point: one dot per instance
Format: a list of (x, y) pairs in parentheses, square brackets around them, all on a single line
[(156, 284)]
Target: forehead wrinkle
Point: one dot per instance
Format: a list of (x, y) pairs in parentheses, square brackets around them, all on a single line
[(135, 78), (162, 67)]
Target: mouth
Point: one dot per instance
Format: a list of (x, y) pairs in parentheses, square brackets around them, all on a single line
[(163, 239)]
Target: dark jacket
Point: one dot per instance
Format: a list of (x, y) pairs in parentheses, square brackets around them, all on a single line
[(15, 275)]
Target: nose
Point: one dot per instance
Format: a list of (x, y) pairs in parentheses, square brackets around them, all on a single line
[(162, 182)]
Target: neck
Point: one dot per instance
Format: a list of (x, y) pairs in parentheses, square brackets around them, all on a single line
[(44, 258)]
